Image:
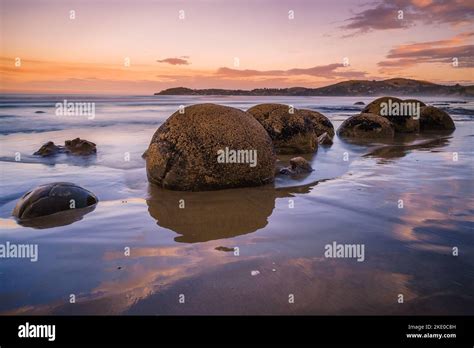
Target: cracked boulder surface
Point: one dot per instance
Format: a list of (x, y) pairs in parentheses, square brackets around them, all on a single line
[(321, 123), (366, 126), (183, 152), (53, 198), (434, 119), (291, 131)]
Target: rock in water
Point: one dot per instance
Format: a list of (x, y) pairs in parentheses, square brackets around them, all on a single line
[(359, 103), (49, 149), (53, 198), (432, 118), (321, 123), (298, 165), (290, 131), (401, 113), (210, 147), (366, 126), (325, 139), (80, 147)]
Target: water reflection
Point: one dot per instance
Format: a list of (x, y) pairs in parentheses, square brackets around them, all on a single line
[(58, 219)]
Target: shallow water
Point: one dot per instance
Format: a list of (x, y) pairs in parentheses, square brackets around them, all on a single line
[(280, 231)]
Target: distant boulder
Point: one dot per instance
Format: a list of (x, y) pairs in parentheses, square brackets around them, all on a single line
[(359, 103), (366, 126), (80, 147), (49, 149)]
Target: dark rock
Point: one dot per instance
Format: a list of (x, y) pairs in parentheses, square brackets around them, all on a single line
[(366, 126), (432, 118), (39, 112), (53, 198), (325, 139), (80, 147), (290, 131), (49, 149), (223, 248), (298, 165), (359, 103), (183, 153)]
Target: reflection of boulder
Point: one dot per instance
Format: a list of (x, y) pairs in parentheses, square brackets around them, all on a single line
[(62, 218), (388, 152), (211, 215)]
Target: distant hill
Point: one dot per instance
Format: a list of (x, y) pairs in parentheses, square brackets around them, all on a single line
[(398, 86)]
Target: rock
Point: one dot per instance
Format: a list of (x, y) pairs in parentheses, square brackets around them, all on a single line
[(359, 103), (40, 112), (414, 101), (290, 131), (53, 198), (325, 139), (144, 154), (432, 118), (49, 149), (298, 165), (80, 147), (223, 248), (184, 152), (365, 126), (402, 122), (321, 123)]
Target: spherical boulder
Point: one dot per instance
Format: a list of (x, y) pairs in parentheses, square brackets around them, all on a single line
[(366, 126), (210, 147), (53, 198), (290, 130), (321, 123), (432, 118), (402, 114)]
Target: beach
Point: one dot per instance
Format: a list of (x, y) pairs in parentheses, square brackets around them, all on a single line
[(139, 253)]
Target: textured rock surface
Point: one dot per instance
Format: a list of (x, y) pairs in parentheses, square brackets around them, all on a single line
[(432, 118), (53, 198), (183, 153), (366, 126)]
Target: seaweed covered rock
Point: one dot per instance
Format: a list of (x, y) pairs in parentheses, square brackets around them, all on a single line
[(210, 147), (53, 198), (366, 126)]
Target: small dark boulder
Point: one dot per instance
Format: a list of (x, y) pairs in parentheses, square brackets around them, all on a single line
[(298, 165), (80, 147), (325, 139), (40, 112), (432, 119), (359, 103), (49, 149), (53, 198), (366, 126)]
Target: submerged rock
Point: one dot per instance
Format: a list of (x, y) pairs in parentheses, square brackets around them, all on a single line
[(290, 130), (432, 118), (80, 147), (366, 126), (51, 199), (210, 147), (49, 149), (298, 165)]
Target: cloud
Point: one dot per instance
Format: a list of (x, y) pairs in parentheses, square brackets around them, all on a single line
[(330, 71), (384, 14), (441, 51), (183, 60)]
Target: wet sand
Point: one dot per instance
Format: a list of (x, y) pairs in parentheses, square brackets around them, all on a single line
[(280, 230)]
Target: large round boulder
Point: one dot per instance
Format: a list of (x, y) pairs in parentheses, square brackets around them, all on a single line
[(432, 118), (290, 130), (53, 198), (321, 123), (366, 126), (402, 114), (210, 147)]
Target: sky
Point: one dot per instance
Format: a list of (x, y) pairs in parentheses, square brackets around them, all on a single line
[(144, 46)]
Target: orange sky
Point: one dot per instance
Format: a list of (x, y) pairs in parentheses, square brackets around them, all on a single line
[(229, 44)]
